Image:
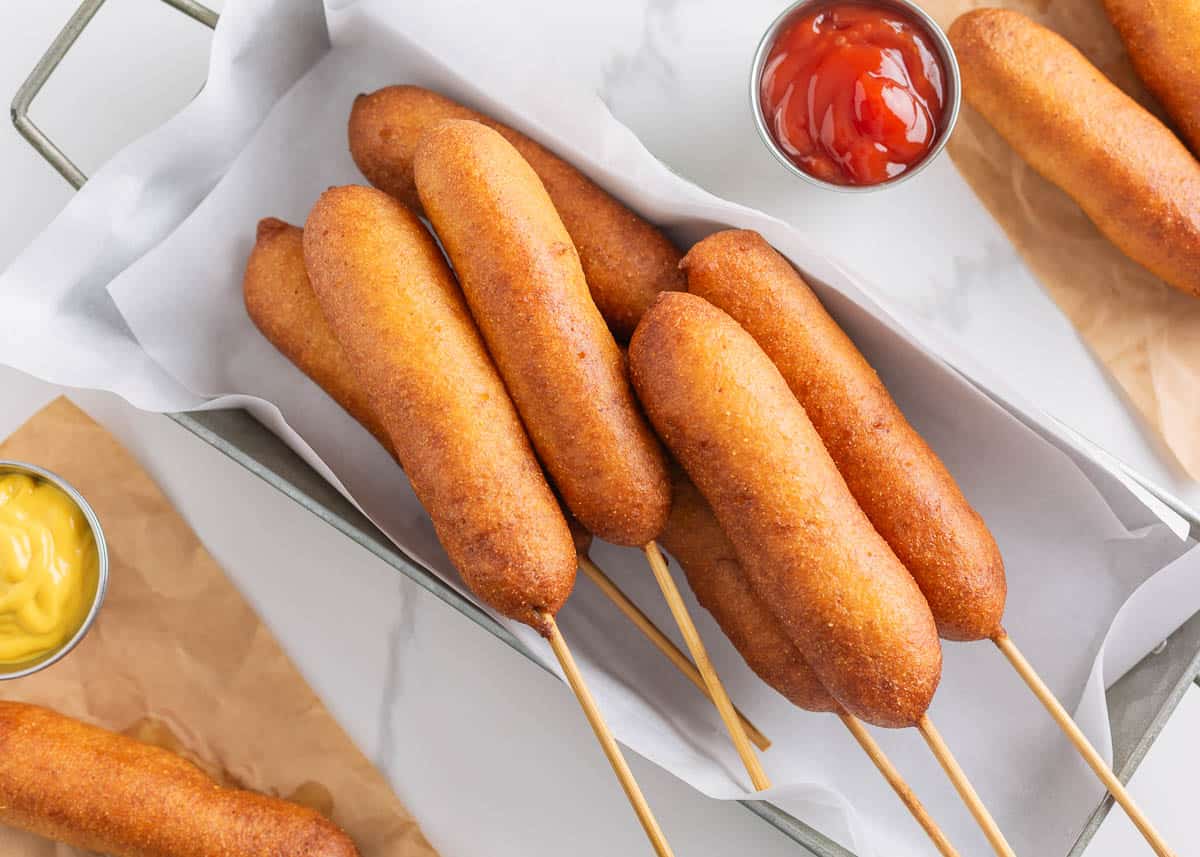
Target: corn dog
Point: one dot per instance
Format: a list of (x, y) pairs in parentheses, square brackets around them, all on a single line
[(280, 301), (896, 478), (1127, 171), (522, 279), (1163, 41), (808, 550), (626, 260), (99, 791), (695, 538), (707, 558), (392, 304)]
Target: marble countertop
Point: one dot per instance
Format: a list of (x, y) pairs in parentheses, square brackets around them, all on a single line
[(462, 749)]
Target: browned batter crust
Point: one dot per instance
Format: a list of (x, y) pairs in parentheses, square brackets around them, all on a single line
[(1127, 171), (627, 261), (522, 279), (695, 538), (900, 483), (393, 305), (1163, 40), (281, 303), (809, 552), (100, 791)]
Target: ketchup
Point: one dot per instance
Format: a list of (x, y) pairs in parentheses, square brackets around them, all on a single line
[(853, 93)]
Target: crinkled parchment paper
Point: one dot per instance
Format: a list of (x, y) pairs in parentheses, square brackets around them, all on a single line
[(178, 658)]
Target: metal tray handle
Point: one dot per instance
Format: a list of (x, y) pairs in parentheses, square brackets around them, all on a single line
[(45, 67)]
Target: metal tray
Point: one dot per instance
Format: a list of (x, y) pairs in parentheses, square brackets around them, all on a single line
[(1139, 705)]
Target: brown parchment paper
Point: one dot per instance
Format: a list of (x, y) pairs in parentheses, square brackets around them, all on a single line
[(1144, 332), (178, 658)]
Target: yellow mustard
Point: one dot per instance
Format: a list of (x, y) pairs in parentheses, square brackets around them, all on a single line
[(49, 568)]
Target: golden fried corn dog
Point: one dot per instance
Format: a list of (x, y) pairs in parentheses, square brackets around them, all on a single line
[(100, 791), (1127, 171), (695, 538), (808, 550), (1163, 41), (522, 278), (627, 261), (280, 302), (393, 305), (906, 491)]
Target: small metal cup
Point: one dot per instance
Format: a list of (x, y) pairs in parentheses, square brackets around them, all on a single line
[(51, 657), (949, 116)]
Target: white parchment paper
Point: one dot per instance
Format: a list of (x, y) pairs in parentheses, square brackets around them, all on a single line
[(145, 266)]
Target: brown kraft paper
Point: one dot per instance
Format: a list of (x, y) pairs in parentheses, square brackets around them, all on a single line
[(179, 659), (1144, 332)]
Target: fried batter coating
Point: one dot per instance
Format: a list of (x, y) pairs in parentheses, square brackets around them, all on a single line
[(1127, 171), (100, 791), (280, 302), (523, 281), (627, 261), (906, 491), (807, 548), (1163, 41), (695, 538), (394, 307)]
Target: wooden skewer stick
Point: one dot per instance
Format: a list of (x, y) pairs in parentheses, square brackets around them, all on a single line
[(902, 789), (607, 743), (1085, 748), (894, 778), (964, 788), (716, 690), (661, 641)]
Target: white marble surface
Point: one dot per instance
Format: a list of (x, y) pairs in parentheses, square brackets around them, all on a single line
[(461, 750)]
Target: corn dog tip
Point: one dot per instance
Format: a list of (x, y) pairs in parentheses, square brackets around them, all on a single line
[(383, 131), (268, 226)]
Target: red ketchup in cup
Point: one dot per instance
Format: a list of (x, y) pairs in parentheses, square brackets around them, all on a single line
[(853, 93)]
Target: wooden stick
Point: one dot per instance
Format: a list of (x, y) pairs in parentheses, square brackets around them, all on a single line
[(902, 789), (856, 727), (716, 690), (607, 743), (661, 641), (964, 788), (1085, 748)]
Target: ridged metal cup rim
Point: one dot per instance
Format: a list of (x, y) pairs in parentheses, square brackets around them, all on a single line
[(950, 113), (89, 514)]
